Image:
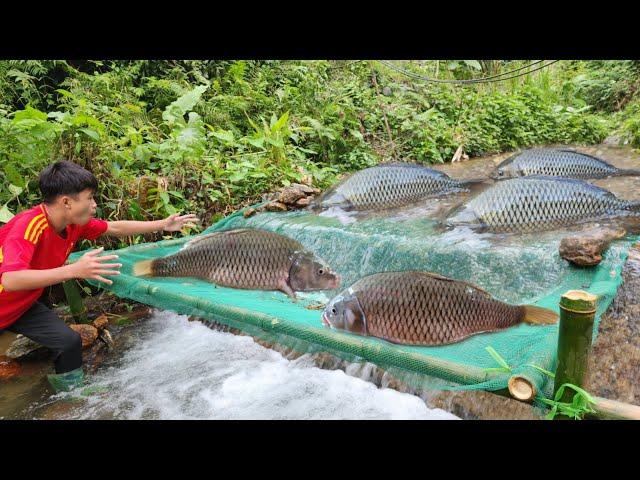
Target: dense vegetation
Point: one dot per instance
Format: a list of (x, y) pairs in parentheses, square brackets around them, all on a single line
[(210, 136)]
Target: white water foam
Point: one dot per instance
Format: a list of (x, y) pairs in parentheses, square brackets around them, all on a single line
[(183, 370)]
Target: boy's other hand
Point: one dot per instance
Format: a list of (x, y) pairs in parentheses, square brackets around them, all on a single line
[(176, 222), (91, 266)]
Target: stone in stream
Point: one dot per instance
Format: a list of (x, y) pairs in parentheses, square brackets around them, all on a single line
[(249, 212), (276, 207), (88, 333), (101, 322), (303, 202), (295, 196), (8, 368), (585, 249), (291, 194), (22, 346), (306, 189)]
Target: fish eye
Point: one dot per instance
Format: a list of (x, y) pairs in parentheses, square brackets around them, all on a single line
[(321, 271), (333, 310), (500, 172)]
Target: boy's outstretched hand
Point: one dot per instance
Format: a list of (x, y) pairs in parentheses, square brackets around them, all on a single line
[(91, 266), (176, 222)]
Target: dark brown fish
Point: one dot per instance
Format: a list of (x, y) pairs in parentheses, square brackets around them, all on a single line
[(423, 308), (247, 259)]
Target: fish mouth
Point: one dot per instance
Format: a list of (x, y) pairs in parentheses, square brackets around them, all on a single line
[(325, 321), (335, 282)]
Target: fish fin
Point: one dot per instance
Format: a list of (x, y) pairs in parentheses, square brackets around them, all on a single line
[(509, 159), (539, 316), (476, 180), (285, 288), (200, 238), (632, 172), (143, 268), (440, 277), (568, 149)]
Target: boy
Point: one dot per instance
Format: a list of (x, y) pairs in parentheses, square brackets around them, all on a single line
[(34, 246)]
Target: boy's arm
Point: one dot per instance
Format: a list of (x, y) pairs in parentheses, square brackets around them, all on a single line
[(172, 223), (89, 266)]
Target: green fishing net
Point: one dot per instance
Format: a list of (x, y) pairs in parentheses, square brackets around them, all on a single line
[(516, 269)]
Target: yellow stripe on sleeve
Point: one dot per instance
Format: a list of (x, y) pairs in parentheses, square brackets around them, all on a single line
[(33, 221)]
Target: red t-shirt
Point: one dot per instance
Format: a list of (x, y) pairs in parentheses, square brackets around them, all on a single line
[(28, 243)]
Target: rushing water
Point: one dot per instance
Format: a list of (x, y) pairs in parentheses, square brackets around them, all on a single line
[(176, 369)]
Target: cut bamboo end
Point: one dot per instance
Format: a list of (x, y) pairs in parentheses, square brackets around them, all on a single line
[(521, 388), (578, 301)]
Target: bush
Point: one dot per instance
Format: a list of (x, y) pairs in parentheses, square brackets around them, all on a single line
[(211, 136)]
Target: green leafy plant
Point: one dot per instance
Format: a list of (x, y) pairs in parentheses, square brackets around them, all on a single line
[(580, 405), (504, 366)]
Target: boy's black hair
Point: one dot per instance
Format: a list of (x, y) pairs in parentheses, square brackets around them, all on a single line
[(65, 178)]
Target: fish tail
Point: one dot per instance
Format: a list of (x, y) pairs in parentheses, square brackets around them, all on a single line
[(635, 207), (631, 172), (143, 268), (539, 316)]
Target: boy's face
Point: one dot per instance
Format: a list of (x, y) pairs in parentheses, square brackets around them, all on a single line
[(79, 208)]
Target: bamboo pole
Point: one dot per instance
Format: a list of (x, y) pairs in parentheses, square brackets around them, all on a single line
[(613, 410), (577, 313), (74, 300)]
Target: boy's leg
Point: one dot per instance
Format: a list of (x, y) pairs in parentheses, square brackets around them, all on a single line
[(43, 326)]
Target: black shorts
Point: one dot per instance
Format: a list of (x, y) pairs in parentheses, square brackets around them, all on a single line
[(43, 326)]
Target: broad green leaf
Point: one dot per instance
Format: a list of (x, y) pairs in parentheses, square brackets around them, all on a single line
[(90, 133), (473, 64), (165, 198), (30, 113), (281, 122), (276, 142), (256, 142), (224, 135), (236, 177), (65, 93), (182, 105), (5, 214), (13, 175), (58, 116), (15, 190)]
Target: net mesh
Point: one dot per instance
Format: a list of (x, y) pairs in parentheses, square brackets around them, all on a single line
[(517, 269)]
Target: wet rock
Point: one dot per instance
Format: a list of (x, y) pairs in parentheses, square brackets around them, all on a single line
[(290, 195), (23, 346), (303, 202), (306, 188), (586, 248), (105, 337), (101, 322), (8, 368), (276, 207), (249, 212), (88, 333), (129, 317), (614, 365), (93, 356)]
